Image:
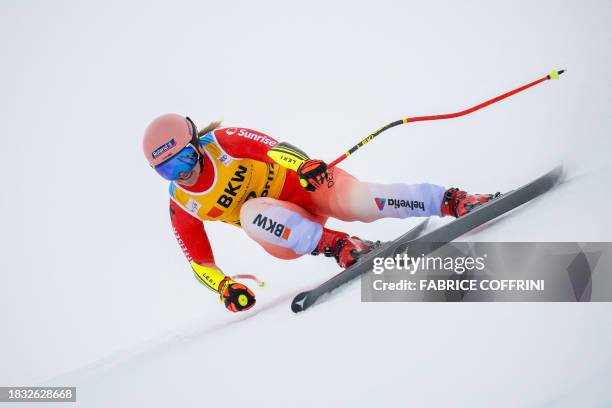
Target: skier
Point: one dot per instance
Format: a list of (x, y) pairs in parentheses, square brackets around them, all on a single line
[(277, 194)]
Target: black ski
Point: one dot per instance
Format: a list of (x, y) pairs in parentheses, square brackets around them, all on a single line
[(437, 237)]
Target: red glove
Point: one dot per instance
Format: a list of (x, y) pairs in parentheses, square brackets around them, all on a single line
[(236, 296), (313, 175)]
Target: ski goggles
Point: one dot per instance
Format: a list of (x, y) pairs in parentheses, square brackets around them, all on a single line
[(182, 162)]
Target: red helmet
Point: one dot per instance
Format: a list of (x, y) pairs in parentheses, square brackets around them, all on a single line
[(167, 135)]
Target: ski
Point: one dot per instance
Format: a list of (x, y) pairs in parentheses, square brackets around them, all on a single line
[(305, 299), (436, 238)]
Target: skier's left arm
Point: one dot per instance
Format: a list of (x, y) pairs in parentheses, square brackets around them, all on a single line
[(248, 143), (245, 143)]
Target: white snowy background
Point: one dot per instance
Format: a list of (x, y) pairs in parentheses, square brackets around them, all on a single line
[(94, 291)]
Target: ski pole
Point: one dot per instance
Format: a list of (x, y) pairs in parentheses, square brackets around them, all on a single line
[(552, 75), (254, 278)]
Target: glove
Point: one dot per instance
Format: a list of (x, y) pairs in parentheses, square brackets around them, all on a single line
[(313, 174), (235, 296)]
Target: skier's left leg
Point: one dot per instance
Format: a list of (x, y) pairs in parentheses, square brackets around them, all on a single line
[(349, 199)]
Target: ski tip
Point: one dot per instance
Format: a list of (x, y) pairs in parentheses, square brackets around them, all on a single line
[(558, 173), (554, 177)]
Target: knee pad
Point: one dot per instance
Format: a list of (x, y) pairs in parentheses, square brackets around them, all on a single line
[(272, 221)]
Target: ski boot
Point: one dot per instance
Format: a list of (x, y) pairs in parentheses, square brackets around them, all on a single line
[(344, 248), (457, 203)]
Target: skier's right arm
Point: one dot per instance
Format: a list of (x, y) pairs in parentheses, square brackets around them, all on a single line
[(192, 238)]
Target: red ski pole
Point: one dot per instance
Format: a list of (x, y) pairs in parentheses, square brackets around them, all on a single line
[(552, 75)]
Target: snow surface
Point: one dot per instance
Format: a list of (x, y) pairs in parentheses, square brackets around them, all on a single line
[(94, 292)]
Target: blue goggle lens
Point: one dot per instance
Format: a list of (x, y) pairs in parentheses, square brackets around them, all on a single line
[(182, 162)]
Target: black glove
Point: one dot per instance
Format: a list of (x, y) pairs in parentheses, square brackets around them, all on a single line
[(236, 296), (313, 174)]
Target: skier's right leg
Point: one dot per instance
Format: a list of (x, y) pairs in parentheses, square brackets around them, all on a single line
[(283, 229), (287, 231)]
